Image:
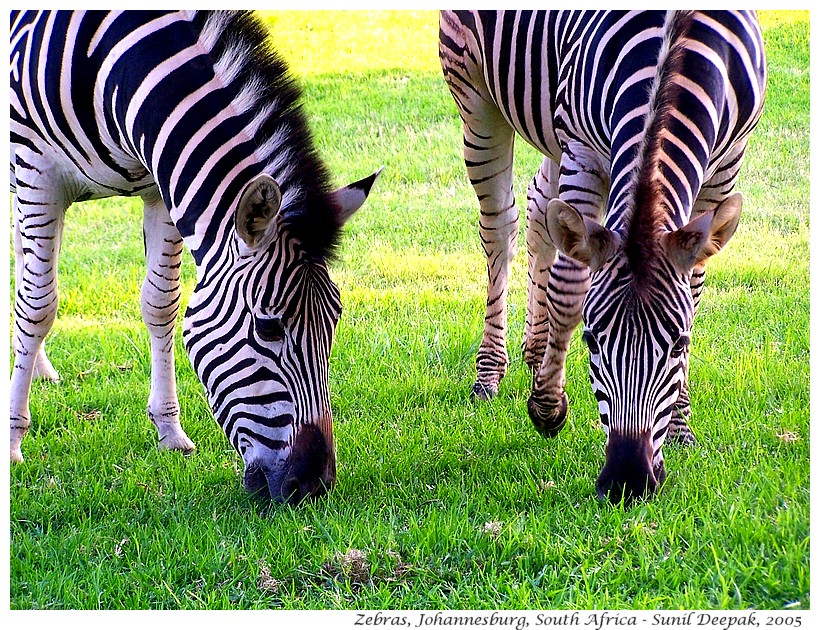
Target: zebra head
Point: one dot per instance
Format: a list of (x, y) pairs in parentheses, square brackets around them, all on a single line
[(259, 330), (638, 316)]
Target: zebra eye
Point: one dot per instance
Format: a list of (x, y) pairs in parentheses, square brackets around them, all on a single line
[(680, 345), (591, 343), (270, 329)]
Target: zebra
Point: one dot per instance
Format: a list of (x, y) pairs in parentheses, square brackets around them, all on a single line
[(643, 118), (195, 113)]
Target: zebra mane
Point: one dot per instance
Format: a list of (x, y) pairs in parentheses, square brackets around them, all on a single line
[(649, 210), (270, 97)]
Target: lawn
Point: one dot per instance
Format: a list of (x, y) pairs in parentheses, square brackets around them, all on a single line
[(441, 503)]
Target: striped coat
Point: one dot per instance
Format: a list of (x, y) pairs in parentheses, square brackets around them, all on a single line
[(643, 118)]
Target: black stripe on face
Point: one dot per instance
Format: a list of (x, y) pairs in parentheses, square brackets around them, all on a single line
[(638, 342)]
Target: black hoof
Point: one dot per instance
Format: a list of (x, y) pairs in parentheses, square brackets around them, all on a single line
[(547, 418), (684, 438), (483, 392)]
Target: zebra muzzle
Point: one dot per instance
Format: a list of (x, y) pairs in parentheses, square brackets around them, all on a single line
[(309, 471), (312, 470), (628, 473)]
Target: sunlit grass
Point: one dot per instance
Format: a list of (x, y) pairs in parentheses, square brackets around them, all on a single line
[(455, 504), (340, 42), (772, 19)]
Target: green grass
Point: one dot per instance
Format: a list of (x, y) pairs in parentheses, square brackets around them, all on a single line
[(455, 504)]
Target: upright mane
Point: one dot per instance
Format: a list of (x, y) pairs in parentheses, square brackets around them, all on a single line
[(268, 92), (649, 210)]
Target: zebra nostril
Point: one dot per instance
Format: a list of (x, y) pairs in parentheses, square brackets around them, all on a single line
[(627, 489), (628, 473), (311, 468), (291, 491), (294, 490), (255, 480)]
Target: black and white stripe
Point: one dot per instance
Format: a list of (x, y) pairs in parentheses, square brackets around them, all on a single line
[(643, 118), (195, 113)]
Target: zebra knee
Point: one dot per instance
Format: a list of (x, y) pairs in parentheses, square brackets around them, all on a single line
[(160, 295), (34, 316), (159, 307)]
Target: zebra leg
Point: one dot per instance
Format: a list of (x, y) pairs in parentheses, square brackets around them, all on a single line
[(711, 195), (582, 184), (159, 306), (488, 153), (548, 404), (678, 430), (43, 369), (540, 257), (38, 233)]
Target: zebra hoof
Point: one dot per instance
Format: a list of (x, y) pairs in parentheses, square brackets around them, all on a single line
[(684, 437), (177, 442), (483, 392), (43, 370), (19, 427), (547, 418)]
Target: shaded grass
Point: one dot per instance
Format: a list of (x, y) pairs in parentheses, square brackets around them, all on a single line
[(454, 504)]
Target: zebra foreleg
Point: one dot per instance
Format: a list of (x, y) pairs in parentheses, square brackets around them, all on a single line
[(711, 195), (488, 154), (38, 233), (548, 404), (43, 369), (679, 430), (581, 185), (160, 306), (540, 257)]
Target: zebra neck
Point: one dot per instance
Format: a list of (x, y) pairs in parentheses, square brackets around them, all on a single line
[(204, 187), (215, 110), (665, 178), (182, 120), (673, 151)]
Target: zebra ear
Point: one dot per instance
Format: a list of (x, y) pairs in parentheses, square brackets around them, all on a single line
[(704, 236), (258, 206), (585, 240), (352, 197)]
